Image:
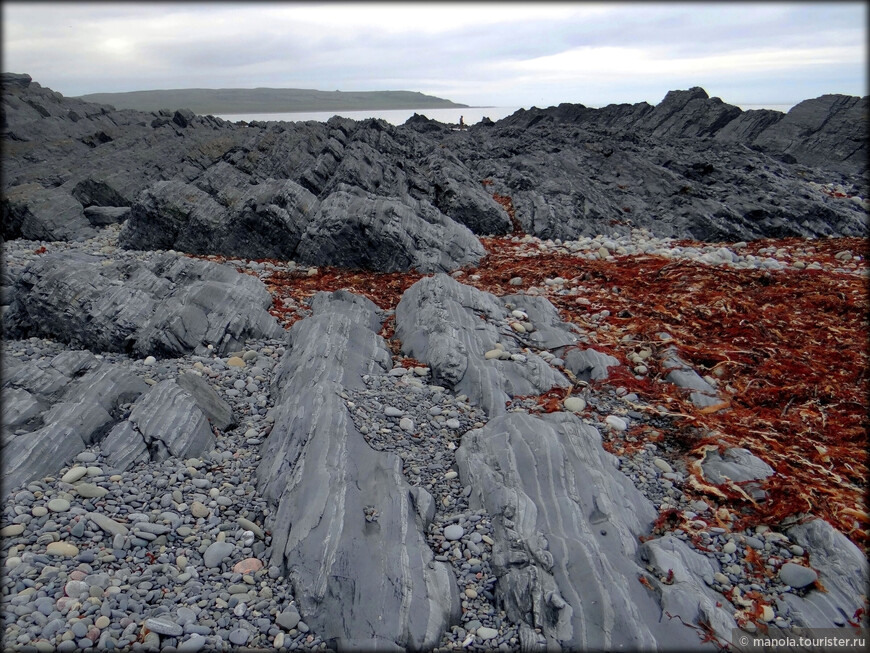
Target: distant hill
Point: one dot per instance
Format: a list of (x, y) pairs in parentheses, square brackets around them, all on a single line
[(206, 101)]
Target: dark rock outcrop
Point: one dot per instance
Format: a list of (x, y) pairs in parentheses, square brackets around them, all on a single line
[(360, 230), (690, 167), (818, 131), (361, 584), (165, 305), (37, 213)]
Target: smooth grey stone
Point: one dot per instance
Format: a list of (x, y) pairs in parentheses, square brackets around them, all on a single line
[(737, 464), (287, 618), (797, 575), (216, 553), (239, 636), (163, 626)]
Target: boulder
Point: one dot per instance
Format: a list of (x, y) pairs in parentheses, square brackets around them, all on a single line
[(589, 364), (37, 213), (354, 229), (215, 408), (681, 374), (737, 464), (170, 423)]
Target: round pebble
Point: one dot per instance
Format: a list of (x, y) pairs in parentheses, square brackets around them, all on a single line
[(454, 532), (58, 505), (574, 404)]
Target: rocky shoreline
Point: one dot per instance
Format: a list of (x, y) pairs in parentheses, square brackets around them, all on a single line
[(222, 436)]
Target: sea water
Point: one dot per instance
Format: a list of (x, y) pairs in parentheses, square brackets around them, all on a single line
[(449, 116)]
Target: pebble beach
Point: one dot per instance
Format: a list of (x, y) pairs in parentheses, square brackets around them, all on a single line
[(174, 556)]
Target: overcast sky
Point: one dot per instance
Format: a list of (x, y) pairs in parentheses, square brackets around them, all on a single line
[(493, 53)]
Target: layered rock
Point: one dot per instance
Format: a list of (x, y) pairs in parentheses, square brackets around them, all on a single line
[(842, 570), (450, 327), (361, 584), (689, 167), (817, 131), (360, 230), (164, 305), (37, 213), (566, 550), (54, 410), (263, 221), (166, 422)]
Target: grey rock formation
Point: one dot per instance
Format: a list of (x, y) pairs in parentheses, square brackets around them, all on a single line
[(218, 411), (53, 410), (689, 113), (100, 216), (462, 198), (450, 327), (31, 211), (360, 584), (817, 131), (688, 592), (681, 374), (263, 221), (164, 305), (361, 230), (170, 423), (124, 446), (589, 364), (566, 525), (95, 193), (689, 167), (843, 572)]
